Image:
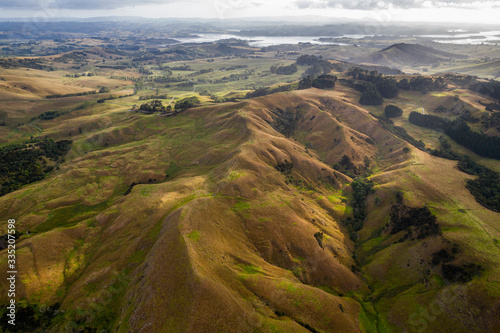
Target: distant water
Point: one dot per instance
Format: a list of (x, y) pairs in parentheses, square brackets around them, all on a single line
[(257, 41), (475, 38), (454, 37)]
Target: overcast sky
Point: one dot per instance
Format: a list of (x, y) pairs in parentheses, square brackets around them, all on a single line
[(383, 11)]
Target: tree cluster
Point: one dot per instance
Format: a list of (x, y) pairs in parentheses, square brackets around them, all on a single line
[(325, 81), (393, 111), (49, 115), (386, 86), (362, 188), (481, 144), (23, 164), (369, 94), (322, 67), (418, 222), (308, 60), (153, 106), (423, 83), (284, 70), (287, 120)]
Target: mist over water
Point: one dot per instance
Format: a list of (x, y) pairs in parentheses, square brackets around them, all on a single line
[(486, 37), (258, 41)]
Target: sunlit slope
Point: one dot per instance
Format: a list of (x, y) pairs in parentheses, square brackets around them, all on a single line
[(222, 230), (222, 223)]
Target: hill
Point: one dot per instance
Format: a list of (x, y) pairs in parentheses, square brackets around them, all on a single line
[(156, 223), (488, 70), (406, 55)]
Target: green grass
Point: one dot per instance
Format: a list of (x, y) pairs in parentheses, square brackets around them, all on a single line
[(250, 269), (194, 235), (241, 207), (69, 216), (233, 175), (172, 170)]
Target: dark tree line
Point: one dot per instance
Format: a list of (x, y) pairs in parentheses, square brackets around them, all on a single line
[(361, 188), (458, 130), (486, 188), (72, 95), (481, 144), (423, 83), (325, 81), (429, 121), (386, 86)]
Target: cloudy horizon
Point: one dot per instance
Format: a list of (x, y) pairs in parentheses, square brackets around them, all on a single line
[(458, 11)]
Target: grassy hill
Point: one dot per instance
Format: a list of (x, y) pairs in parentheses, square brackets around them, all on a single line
[(489, 69), (156, 223), (406, 55)]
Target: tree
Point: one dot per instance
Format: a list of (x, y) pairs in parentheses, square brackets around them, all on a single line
[(393, 111), (388, 87), (307, 59), (370, 95), (324, 81), (153, 106), (284, 70)]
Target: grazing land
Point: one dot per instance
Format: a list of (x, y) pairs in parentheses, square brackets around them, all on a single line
[(155, 182)]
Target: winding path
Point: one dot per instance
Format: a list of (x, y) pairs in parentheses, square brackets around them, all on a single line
[(38, 128)]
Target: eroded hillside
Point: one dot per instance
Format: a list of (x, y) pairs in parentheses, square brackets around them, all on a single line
[(232, 218)]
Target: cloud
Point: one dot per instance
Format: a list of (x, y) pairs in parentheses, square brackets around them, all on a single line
[(78, 4), (243, 4), (384, 4)]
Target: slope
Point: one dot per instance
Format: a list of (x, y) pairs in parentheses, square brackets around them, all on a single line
[(155, 224), (406, 55)]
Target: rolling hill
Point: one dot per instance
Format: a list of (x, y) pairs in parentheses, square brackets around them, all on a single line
[(156, 223), (406, 55), (488, 70)]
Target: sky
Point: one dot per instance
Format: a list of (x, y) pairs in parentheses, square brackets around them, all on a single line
[(383, 11)]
